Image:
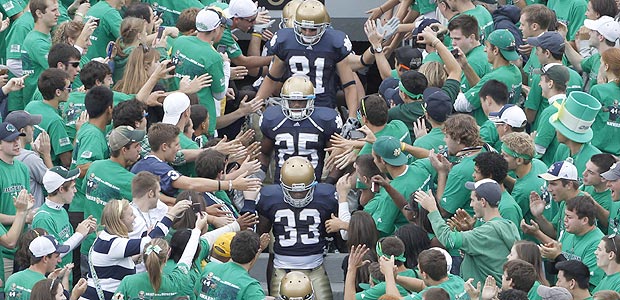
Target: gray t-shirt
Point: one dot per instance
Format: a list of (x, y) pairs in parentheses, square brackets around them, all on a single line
[(37, 169)]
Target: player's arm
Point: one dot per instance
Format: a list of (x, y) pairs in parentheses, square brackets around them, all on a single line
[(266, 150), (264, 225), (348, 84), (251, 61), (573, 57), (65, 158), (274, 76)]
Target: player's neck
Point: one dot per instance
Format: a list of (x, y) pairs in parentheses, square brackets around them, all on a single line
[(40, 27), (396, 171), (601, 187), (612, 268), (573, 146), (522, 170), (374, 128), (491, 213), (100, 122)]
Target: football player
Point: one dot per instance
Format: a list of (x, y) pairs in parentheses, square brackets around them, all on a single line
[(296, 285), (313, 49), (297, 127), (296, 210)]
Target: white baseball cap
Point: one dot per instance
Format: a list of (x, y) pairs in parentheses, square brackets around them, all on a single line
[(46, 245), (509, 114), (208, 19), (241, 9), (57, 176), (561, 170), (175, 104), (606, 26)]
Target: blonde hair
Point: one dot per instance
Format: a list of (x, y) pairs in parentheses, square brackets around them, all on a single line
[(606, 295), (521, 143), (135, 74), (65, 31), (155, 260), (130, 28), (435, 73), (112, 215)]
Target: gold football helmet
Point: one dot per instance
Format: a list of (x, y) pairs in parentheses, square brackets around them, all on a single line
[(288, 13), (311, 14), (294, 91), (298, 181), (296, 285)]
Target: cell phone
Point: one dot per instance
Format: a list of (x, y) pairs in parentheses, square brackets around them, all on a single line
[(160, 32), (374, 187), (221, 48), (110, 49), (357, 135), (172, 63), (455, 53), (196, 208), (97, 21), (158, 13)]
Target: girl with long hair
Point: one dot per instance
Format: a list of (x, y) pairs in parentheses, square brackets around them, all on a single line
[(132, 33), (110, 257), (529, 252)]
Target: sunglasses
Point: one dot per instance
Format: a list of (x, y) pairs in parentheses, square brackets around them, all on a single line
[(74, 64), (612, 237), (145, 48)]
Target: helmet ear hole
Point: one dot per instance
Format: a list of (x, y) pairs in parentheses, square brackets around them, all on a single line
[(296, 285)]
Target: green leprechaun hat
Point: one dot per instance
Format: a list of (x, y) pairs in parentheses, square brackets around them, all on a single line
[(575, 117)]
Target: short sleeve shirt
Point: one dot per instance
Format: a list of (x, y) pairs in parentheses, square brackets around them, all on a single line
[(53, 124), (108, 29)]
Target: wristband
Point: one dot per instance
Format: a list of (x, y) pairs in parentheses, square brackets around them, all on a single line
[(230, 185), (79, 14), (381, 10), (402, 146), (258, 35), (372, 49), (219, 185), (363, 62)]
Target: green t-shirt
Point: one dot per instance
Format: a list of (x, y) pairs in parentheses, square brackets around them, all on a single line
[(480, 260), (609, 282), (189, 168), (532, 64), (138, 286), (228, 281), (484, 18), (108, 30), (13, 178), (488, 133), (510, 210), (396, 129), (383, 210), (434, 139), (34, 60), (528, 183), (570, 12), (194, 271), (73, 108), (12, 7), (15, 38), (590, 65), (582, 248), (580, 158), (172, 9), (455, 195), (197, 57), (434, 56), (455, 286), (19, 285), (607, 122), (105, 180), (375, 292), (533, 293), (509, 75), (56, 222), (614, 217), (53, 124), (479, 62), (90, 146), (603, 198), (424, 6), (546, 136)]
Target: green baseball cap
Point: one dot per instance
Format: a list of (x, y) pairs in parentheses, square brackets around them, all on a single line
[(388, 148), (505, 41), (554, 71)]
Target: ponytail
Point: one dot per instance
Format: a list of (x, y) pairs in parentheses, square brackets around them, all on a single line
[(155, 256)]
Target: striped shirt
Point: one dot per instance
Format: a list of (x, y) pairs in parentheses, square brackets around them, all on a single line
[(111, 258)]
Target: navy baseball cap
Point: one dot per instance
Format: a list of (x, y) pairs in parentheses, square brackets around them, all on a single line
[(8, 132), (438, 103), (550, 40), (486, 188)]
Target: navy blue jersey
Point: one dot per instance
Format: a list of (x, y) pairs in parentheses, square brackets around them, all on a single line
[(162, 170), (317, 62), (298, 231), (307, 138)]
